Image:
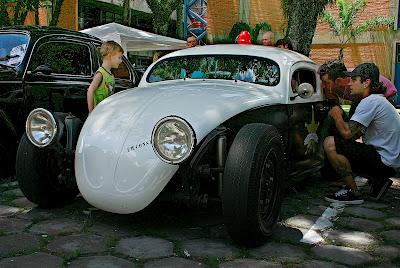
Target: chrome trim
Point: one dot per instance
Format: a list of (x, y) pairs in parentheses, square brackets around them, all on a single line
[(62, 82), (52, 120), (10, 82), (192, 135)]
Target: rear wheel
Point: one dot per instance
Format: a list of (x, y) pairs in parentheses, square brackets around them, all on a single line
[(43, 175), (254, 171)]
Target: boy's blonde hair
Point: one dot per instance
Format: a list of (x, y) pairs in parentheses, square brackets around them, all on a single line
[(109, 47)]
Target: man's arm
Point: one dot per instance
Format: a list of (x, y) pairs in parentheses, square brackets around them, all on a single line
[(351, 130)]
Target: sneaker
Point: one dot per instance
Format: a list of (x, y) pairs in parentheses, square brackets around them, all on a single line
[(345, 196), (379, 189)]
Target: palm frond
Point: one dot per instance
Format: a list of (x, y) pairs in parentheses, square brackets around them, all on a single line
[(372, 24), (332, 22)]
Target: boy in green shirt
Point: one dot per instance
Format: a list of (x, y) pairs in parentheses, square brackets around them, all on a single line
[(103, 82)]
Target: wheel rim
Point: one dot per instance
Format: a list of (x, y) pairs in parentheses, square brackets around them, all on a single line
[(267, 191)]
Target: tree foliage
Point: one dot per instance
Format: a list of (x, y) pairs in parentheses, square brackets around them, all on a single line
[(302, 16), (254, 32), (162, 10), (16, 14), (343, 25)]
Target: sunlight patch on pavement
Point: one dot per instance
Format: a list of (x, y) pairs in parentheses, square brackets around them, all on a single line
[(322, 223), (325, 221)]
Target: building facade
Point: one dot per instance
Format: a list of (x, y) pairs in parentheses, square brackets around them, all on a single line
[(377, 47)]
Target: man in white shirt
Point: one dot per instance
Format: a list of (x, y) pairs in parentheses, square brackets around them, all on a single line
[(377, 121)]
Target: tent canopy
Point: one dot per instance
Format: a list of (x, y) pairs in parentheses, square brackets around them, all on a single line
[(132, 39)]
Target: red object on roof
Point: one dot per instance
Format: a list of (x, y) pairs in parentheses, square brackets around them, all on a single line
[(244, 38)]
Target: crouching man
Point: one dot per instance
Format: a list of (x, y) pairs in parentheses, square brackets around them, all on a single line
[(378, 122)]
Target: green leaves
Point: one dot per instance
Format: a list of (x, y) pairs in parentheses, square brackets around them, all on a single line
[(162, 10), (343, 25), (254, 32)]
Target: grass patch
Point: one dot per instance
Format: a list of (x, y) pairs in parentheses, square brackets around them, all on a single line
[(8, 184), (70, 256), (155, 233), (396, 261), (44, 240), (244, 253), (178, 249), (87, 223), (7, 199), (112, 242), (212, 261)]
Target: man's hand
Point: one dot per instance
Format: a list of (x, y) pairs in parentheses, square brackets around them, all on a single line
[(336, 112)]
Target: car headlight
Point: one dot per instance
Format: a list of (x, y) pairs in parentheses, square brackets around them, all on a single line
[(173, 139), (41, 127)]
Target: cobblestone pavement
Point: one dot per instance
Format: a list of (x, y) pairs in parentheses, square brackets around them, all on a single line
[(311, 233)]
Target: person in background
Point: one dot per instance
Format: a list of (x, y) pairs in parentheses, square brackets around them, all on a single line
[(377, 121), (268, 39), (191, 41), (284, 43), (103, 82)]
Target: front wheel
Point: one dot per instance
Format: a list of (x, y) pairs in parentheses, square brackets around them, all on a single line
[(42, 175), (254, 170)]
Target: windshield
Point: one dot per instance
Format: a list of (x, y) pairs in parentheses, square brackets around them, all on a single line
[(244, 68), (12, 48)]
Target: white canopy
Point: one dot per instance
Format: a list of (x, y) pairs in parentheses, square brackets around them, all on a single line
[(132, 39)]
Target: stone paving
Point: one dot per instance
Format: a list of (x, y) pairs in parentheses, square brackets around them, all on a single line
[(310, 233)]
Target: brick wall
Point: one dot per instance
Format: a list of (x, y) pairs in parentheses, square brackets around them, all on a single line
[(355, 54), (69, 15), (370, 49), (372, 9), (267, 11), (222, 14)]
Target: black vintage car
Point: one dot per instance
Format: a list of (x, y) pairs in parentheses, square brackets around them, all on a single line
[(49, 68)]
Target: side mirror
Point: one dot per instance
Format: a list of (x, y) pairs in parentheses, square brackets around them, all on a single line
[(304, 90), (43, 69)]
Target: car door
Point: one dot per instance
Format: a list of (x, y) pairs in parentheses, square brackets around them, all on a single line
[(305, 119), (58, 75)]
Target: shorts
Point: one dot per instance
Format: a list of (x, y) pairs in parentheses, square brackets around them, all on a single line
[(364, 159)]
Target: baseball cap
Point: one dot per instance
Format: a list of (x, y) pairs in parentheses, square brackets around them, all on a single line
[(366, 71)]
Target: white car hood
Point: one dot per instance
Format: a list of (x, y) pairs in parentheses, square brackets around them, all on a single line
[(116, 167)]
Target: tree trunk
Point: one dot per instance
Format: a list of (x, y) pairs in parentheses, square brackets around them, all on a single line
[(57, 4), (302, 21), (179, 19), (127, 12), (36, 10)]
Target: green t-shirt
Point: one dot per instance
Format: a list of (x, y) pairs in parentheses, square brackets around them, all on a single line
[(106, 87)]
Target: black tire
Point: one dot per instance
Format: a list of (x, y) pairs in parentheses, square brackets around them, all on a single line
[(251, 203), (37, 173)]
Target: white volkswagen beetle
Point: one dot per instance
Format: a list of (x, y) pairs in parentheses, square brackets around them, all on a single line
[(233, 122)]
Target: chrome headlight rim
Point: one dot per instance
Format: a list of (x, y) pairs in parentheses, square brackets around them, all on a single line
[(191, 135), (52, 120)]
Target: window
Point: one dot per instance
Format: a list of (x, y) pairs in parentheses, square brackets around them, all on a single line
[(63, 58), (13, 48), (303, 76), (121, 72), (248, 69)]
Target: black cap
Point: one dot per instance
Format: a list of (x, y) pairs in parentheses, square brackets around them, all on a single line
[(366, 71)]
